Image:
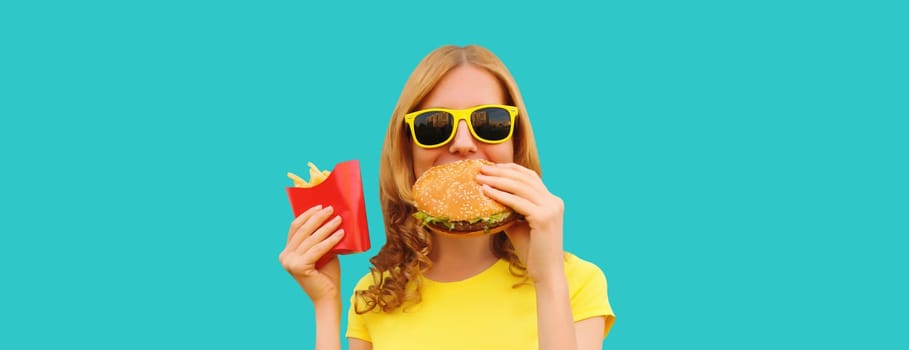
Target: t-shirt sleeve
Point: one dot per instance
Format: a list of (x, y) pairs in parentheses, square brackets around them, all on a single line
[(356, 323), (587, 287)]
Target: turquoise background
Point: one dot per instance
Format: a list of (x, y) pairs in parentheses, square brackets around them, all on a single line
[(738, 169)]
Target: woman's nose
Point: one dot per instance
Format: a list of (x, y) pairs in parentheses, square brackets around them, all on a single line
[(463, 142)]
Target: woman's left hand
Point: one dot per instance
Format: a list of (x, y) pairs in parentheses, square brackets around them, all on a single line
[(538, 239)]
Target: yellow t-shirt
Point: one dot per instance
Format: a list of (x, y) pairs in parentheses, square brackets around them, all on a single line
[(481, 312)]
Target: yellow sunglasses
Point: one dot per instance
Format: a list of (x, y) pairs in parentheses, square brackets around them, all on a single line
[(434, 127)]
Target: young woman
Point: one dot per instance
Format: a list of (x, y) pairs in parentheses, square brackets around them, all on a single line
[(512, 290)]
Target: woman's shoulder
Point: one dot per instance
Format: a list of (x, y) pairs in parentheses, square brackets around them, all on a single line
[(368, 279), (372, 277), (578, 268)]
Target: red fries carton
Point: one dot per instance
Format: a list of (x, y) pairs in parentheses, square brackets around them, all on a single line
[(343, 190)]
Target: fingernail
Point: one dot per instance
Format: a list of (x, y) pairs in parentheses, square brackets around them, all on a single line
[(328, 209), (340, 233)]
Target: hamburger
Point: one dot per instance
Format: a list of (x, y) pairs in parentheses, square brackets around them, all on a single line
[(449, 201)]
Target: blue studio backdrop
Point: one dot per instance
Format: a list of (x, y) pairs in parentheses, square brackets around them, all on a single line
[(737, 169)]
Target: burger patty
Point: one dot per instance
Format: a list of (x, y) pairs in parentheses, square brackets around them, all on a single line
[(466, 226)]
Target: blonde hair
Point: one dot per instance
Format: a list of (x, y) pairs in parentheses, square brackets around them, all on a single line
[(404, 257)]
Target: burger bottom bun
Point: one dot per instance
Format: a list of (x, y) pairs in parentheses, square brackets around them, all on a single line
[(491, 231)]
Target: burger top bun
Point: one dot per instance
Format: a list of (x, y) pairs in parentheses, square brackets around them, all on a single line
[(451, 190)]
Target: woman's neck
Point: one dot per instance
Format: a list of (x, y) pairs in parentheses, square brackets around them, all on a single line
[(459, 258)]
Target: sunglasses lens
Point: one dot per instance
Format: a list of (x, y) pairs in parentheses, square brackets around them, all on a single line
[(492, 124), (432, 128)]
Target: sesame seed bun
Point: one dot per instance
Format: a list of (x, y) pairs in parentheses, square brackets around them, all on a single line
[(450, 201)]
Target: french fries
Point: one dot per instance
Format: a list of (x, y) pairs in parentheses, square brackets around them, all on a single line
[(316, 177)]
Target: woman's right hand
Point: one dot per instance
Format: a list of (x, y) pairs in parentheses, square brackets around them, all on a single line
[(311, 236)]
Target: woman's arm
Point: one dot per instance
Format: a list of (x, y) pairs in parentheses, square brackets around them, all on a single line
[(312, 234), (328, 325), (555, 324), (538, 243), (358, 344), (590, 332)]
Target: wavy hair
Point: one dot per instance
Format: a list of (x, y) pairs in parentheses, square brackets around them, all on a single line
[(400, 263)]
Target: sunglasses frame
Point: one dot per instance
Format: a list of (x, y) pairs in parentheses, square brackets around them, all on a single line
[(458, 115)]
